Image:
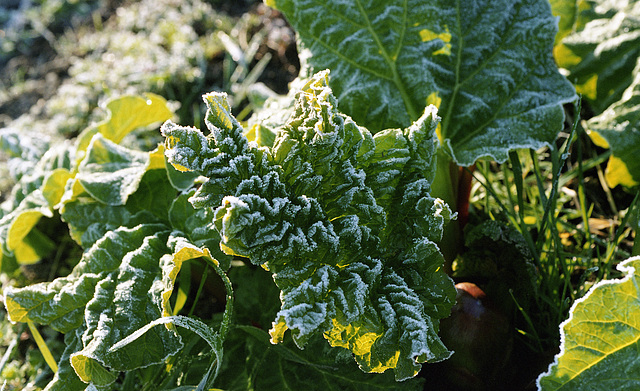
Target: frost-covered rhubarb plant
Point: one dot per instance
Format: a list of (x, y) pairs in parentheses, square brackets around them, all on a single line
[(322, 225), (342, 219)]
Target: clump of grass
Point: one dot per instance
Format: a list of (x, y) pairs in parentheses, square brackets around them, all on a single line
[(575, 228)]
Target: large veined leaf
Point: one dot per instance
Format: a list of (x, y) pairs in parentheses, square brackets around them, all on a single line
[(121, 206), (89, 219), (487, 65), (601, 338), (115, 289), (342, 219)]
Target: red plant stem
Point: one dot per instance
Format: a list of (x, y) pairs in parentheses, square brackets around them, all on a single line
[(464, 192)]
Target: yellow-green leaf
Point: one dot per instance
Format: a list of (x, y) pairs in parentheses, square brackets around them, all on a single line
[(126, 114), (27, 245), (54, 185), (619, 127), (601, 339), (183, 250), (89, 370)]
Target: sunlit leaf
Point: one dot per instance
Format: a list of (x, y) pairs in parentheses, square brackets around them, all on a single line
[(601, 338), (602, 52), (126, 114)]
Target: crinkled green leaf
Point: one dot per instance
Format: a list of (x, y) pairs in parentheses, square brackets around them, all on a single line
[(365, 275), (255, 364), (487, 64), (180, 180), (198, 226), (114, 290), (218, 157), (601, 338), (266, 121)]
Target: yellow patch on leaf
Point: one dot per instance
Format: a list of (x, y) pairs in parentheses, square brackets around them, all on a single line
[(16, 312), (589, 88), (597, 139), (355, 338), (428, 35), (617, 173), (277, 331)]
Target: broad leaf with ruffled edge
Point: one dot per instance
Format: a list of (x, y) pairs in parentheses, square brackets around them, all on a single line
[(488, 65), (115, 289), (347, 233), (600, 340)]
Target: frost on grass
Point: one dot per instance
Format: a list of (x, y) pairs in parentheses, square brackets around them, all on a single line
[(342, 219)]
